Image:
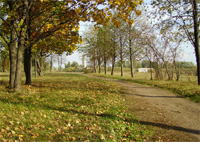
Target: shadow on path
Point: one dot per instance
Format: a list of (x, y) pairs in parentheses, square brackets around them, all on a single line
[(155, 96), (165, 126)]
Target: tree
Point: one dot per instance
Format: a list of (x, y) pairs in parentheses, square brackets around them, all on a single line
[(74, 64), (4, 58), (90, 46), (104, 44), (68, 65), (184, 16), (13, 28), (29, 22)]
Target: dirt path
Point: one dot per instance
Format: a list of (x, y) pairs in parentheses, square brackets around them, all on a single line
[(175, 118)]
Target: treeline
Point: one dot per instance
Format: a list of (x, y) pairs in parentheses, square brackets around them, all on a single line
[(146, 64), (118, 45), (171, 23)]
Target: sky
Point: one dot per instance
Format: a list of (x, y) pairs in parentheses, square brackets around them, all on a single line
[(188, 53)]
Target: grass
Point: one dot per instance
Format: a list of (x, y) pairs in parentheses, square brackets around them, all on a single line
[(67, 107), (186, 87)]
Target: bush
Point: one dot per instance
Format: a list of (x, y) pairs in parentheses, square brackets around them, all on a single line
[(88, 71), (70, 69)]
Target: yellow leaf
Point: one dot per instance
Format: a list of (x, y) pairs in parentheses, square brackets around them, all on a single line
[(21, 136), (35, 135)]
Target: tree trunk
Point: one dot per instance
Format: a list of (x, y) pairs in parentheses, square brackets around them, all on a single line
[(99, 60), (38, 67), (121, 55), (3, 68), (131, 61), (51, 62), (12, 48), (99, 64), (113, 65), (94, 67), (196, 37), (35, 64), (94, 62), (113, 53), (21, 42), (105, 67), (18, 86), (41, 67), (58, 63), (61, 63), (151, 70), (27, 65), (130, 51), (177, 70), (167, 71), (28, 53), (12, 55), (122, 73)]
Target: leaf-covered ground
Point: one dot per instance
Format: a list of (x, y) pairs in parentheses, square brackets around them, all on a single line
[(67, 107)]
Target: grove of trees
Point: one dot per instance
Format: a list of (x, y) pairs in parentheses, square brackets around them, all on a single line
[(36, 28), (157, 42)]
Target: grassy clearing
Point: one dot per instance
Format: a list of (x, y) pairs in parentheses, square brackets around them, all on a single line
[(186, 87), (67, 107)]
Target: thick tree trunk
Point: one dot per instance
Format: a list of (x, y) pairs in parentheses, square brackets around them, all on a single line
[(12, 56), (18, 86), (12, 48), (21, 42), (196, 37)]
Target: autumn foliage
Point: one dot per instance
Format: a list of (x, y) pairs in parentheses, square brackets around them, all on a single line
[(52, 26)]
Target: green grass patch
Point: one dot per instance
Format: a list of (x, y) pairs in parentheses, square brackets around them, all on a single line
[(67, 107), (186, 88)]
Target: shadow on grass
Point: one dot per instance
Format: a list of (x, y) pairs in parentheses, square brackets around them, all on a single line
[(109, 116), (4, 75), (115, 117), (72, 85)]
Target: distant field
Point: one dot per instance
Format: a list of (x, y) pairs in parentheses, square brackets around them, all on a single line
[(67, 107), (187, 86), (186, 75)]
